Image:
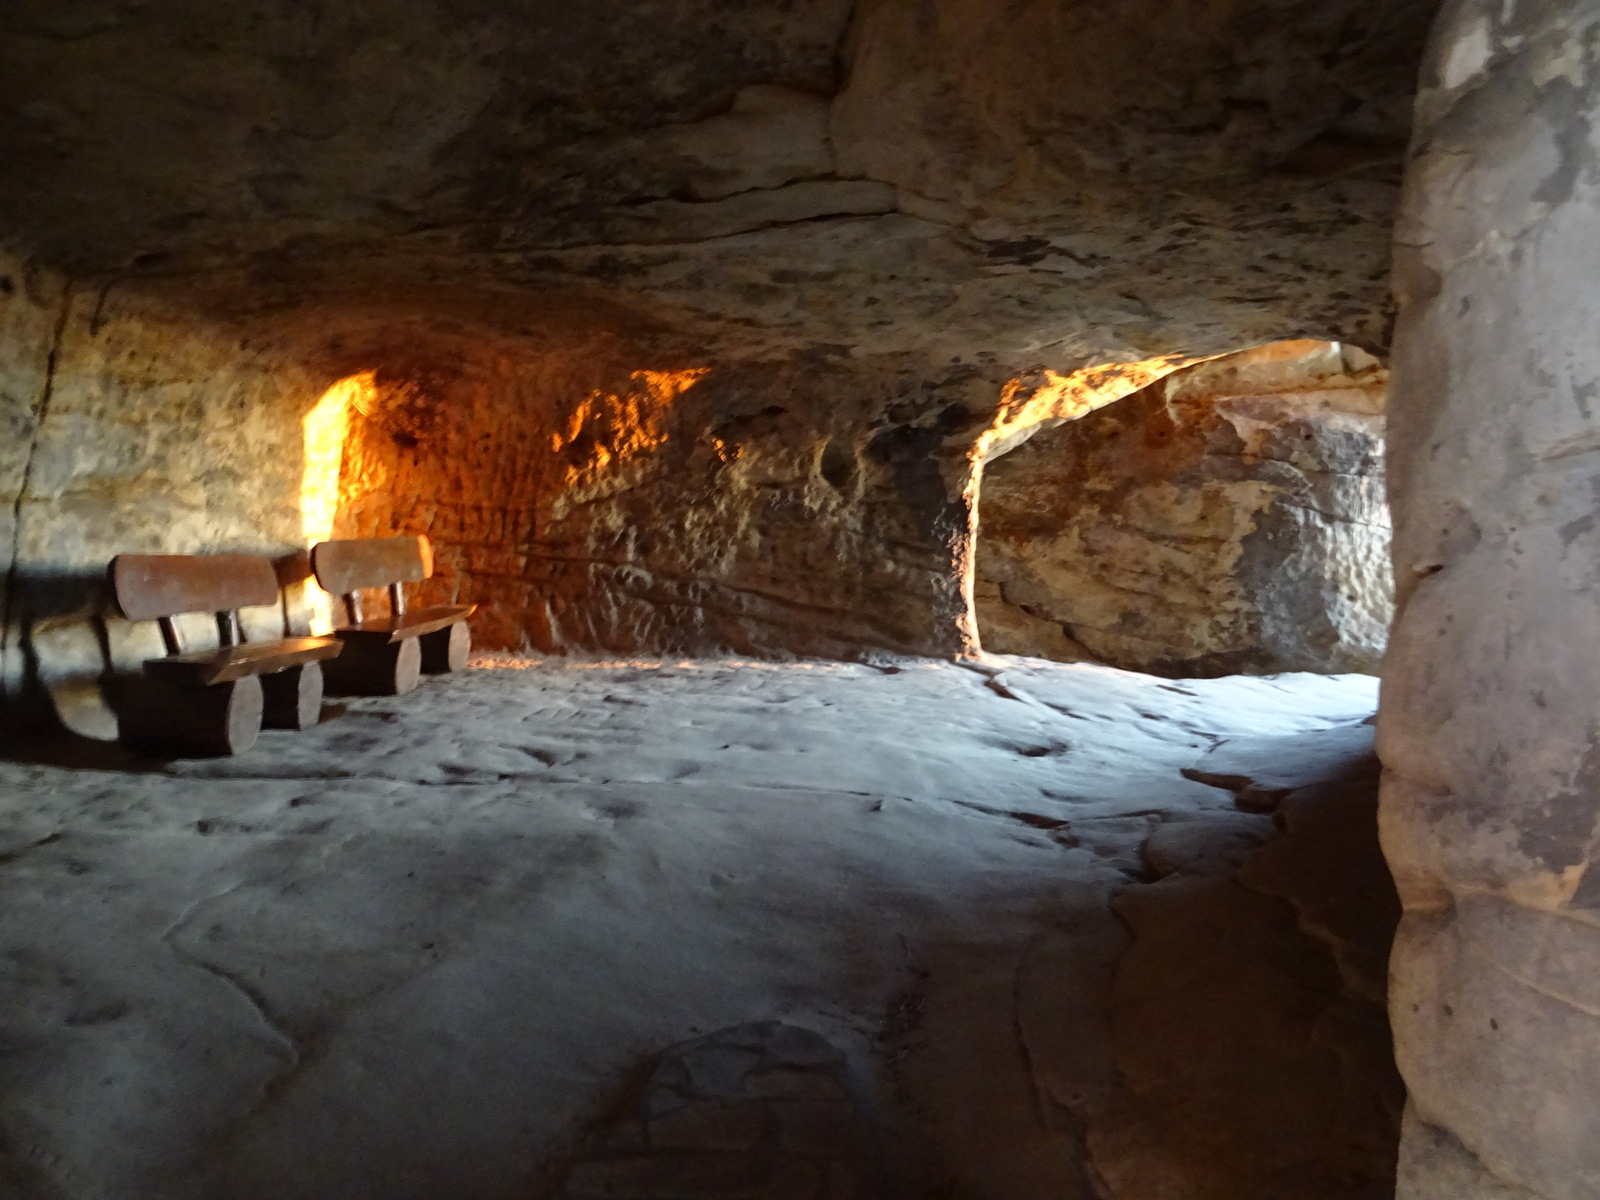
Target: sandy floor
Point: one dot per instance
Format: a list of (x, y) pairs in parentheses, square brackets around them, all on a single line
[(436, 947)]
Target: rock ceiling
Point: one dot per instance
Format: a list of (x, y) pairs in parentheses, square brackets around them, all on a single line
[(1017, 186)]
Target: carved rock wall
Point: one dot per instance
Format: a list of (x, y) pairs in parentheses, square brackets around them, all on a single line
[(296, 120), (367, 119), (587, 484), (1227, 518), (127, 428), (588, 502), (1488, 725)]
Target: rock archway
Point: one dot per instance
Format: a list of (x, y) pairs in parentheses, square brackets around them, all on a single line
[(1228, 517)]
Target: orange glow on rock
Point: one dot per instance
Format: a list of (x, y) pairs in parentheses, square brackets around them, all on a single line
[(323, 431), (617, 427), (1029, 400)]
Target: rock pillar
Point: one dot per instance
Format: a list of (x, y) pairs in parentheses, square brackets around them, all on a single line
[(1490, 726)]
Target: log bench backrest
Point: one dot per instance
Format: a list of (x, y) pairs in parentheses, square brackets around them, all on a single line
[(160, 586), (345, 568), (349, 566)]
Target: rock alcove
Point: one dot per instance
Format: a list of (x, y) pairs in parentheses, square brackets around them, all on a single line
[(1228, 517), (772, 375)]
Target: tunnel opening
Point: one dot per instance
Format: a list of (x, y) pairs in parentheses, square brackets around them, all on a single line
[(1228, 517)]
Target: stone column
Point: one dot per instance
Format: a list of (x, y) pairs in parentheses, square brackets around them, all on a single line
[(1490, 725)]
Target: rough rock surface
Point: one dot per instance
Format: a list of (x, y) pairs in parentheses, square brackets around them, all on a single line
[(359, 123), (1229, 517), (549, 929), (770, 509), (1488, 729), (874, 234), (126, 429), (759, 1110)]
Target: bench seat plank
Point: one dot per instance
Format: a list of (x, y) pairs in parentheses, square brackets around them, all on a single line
[(412, 623), (205, 667)]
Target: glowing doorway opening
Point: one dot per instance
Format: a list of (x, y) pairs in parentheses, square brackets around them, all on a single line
[(323, 431)]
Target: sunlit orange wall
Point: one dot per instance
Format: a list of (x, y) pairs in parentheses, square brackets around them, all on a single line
[(542, 486), (583, 500), (323, 432), (497, 461)]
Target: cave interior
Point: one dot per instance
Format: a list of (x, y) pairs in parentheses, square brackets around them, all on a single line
[(937, 484)]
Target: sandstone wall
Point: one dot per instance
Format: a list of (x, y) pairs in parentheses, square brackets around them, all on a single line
[(1488, 726), (587, 484), (128, 428), (1228, 518), (592, 482), (589, 501), (300, 119), (957, 98), (623, 120), (937, 176)]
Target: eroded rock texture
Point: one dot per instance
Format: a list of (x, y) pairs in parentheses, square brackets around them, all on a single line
[(1229, 517), (688, 319), (1488, 729), (775, 508), (129, 427), (764, 1110)]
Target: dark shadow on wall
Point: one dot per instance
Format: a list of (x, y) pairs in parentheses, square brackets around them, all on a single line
[(47, 685)]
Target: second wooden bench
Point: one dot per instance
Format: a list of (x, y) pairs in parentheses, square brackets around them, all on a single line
[(384, 655)]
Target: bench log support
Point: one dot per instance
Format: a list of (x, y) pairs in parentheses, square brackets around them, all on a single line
[(292, 698), (167, 719), (446, 650), (370, 668)]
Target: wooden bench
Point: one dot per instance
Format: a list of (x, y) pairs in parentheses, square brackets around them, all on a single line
[(214, 701), (385, 655)]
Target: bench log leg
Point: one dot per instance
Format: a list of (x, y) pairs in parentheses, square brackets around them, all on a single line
[(163, 718), (292, 697), (446, 650), (363, 669)]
